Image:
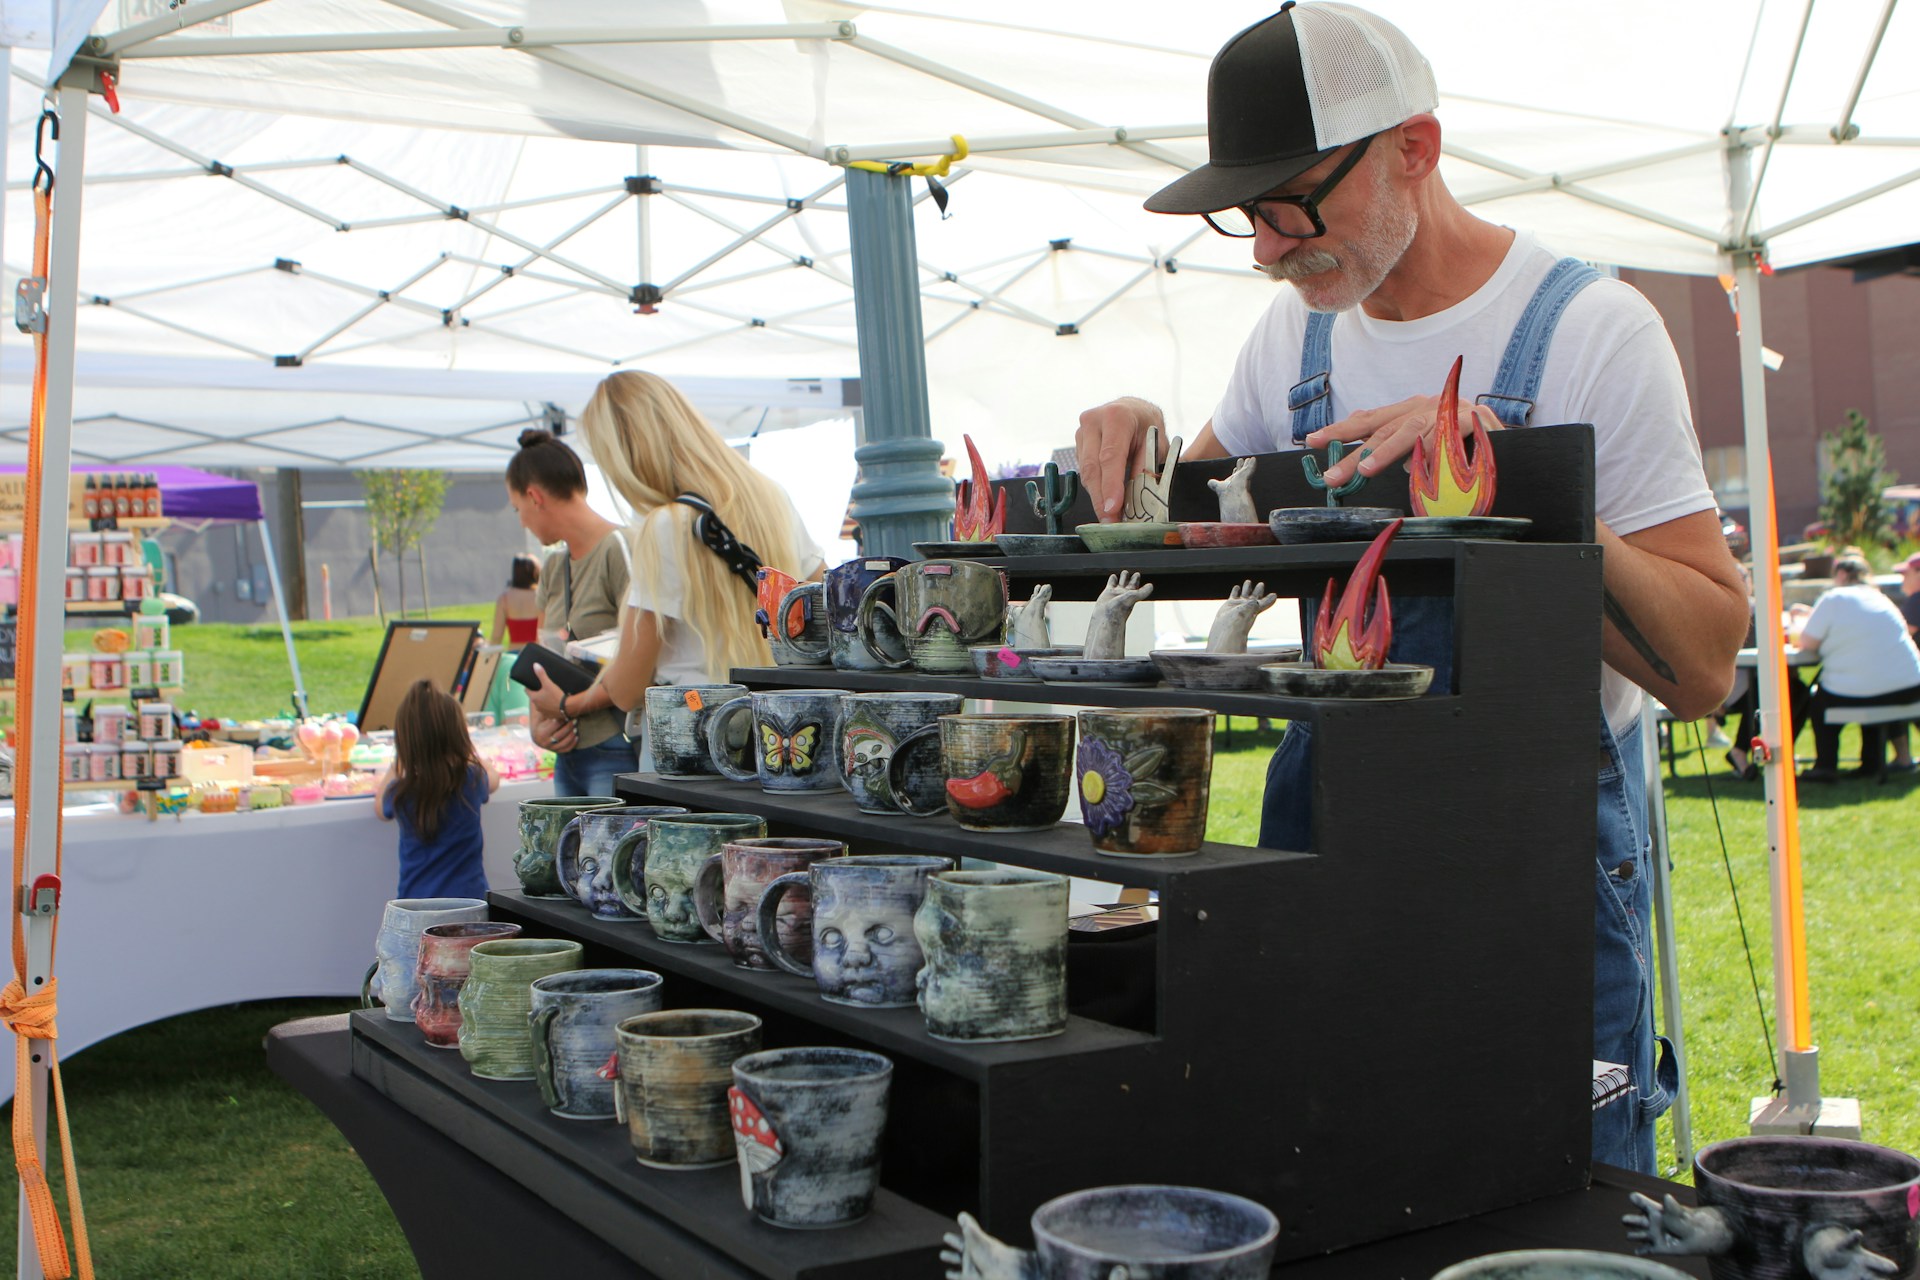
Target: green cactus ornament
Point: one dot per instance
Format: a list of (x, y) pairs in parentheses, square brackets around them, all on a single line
[(1051, 499), (1318, 478)]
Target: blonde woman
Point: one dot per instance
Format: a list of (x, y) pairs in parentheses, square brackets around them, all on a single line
[(701, 516)]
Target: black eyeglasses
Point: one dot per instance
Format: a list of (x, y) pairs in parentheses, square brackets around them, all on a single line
[(1295, 217)]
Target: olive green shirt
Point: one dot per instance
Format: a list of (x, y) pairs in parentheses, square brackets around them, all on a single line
[(600, 584)]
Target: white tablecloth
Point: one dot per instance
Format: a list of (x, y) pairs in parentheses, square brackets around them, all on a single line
[(162, 918)]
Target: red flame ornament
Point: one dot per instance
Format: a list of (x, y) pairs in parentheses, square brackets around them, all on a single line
[(979, 514), (1354, 637), (1444, 482)]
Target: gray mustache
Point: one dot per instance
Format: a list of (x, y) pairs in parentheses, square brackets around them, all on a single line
[(1298, 264)]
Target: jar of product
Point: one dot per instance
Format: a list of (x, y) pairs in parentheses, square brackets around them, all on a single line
[(169, 668), (76, 757), (107, 670), (136, 582), (139, 668), (110, 724), (69, 724), (117, 548), (136, 759), (166, 759), (85, 549), (103, 583), (103, 763), (73, 670), (152, 631), (76, 584), (156, 724)]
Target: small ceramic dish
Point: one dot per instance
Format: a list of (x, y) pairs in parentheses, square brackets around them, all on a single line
[(1503, 527), (955, 550), (1195, 535), (1199, 669), (1328, 524), (1040, 544), (1109, 670), (1304, 680), (1003, 662), (1129, 535)]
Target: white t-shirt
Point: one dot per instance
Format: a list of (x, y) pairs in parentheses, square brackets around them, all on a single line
[(683, 654), (1864, 647), (1611, 364)]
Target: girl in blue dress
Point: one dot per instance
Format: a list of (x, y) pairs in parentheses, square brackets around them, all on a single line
[(434, 791)]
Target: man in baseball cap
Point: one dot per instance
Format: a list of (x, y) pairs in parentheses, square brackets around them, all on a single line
[(1324, 154)]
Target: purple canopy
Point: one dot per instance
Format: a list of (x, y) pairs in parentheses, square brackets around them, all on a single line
[(195, 496)]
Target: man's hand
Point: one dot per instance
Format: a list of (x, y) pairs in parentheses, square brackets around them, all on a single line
[(1389, 433), (1109, 451), (555, 733)]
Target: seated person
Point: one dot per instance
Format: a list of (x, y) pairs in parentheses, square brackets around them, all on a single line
[(1867, 659)]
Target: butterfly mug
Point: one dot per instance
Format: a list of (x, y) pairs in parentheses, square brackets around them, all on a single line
[(795, 738)]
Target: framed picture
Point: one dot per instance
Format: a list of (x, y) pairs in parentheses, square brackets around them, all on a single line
[(436, 651)]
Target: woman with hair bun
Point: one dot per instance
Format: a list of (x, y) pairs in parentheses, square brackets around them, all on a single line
[(582, 592)]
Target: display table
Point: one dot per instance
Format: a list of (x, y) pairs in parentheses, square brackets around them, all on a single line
[(162, 918)]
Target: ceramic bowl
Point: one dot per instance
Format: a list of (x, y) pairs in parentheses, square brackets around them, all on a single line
[(952, 550), (1505, 527), (1560, 1264), (1304, 680), (1003, 662), (1040, 544), (1131, 535), (1198, 669), (1328, 524), (1109, 670), (1195, 535)]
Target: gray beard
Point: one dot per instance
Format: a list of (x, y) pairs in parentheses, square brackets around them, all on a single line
[(1383, 237)]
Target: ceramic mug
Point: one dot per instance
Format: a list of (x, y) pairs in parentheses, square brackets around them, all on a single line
[(677, 847), (864, 949), (391, 979), (726, 896), (541, 822), (1559, 1264), (675, 1070), (1144, 777), (444, 964), (497, 998), (676, 724), (996, 947), (807, 1125), (571, 1029), (1004, 771), (941, 607), (844, 586), (1130, 1233), (872, 727), (796, 739), (590, 844), (803, 618)]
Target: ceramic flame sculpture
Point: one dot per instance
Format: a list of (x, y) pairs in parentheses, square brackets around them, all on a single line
[(1444, 482), (979, 514), (1355, 637)]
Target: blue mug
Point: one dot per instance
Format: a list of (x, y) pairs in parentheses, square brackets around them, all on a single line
[(795, 739), (864, 948), (845, 585)]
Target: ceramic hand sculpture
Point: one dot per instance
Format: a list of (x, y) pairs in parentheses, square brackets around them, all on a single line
[(1107, 633), (975, 1255), (1052, 494), (1672, 1229), (1230, 626), (1356, 637), (1443, 482), (1236, 497), (979, 514), (1147, 492), (1027, 622)]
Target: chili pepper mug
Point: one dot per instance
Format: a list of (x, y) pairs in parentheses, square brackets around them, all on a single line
[(872, 727), (1004, 771), (572, 1030), (941, 607), (727, 895), (677, 847), (796, 739), (996, 947), (444, 965), (807, 1125), (583, 859), (1144, 777), (864, 948), (676, 724), (802, 617), (675, 1069)]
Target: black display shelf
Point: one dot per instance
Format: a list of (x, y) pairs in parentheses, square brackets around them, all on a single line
[(672, 1222), (893, 1031)]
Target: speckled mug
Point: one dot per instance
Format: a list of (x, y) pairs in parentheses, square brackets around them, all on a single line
[(727, 895), (392, 978), (572, 1032), (996, 947), (541, 822), (675, 1070), (873, 726), (591, 844), (444, 965), (864, 948), (1006, 771), (498, 997), (677, 716), (807, 1125), (1144, 777), (677, 847)]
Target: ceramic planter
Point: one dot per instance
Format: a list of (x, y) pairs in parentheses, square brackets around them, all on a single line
[(844, 586), (1129, 535), (727, 896), (444, 963), (497, 998), (941, 607), (590, 844), (541, 823), (675, 1070), (1144, 778), (1559, 1264), (1199, 669), (677, 847), (864, 949), (803, 621), (1329, 524), (871, 730), (571, 1028), (796, 739), (677, 718), (1006, 772), (1005, 662), (1130, 1233), (807, 1126), (391, 979), (996, 948)]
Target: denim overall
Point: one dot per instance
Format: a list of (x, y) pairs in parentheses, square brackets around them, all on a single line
[(1623, 1131)]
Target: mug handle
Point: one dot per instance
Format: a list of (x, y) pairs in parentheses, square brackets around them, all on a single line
[(894, 782), (800, 643), (540, 1028), (367, 999), (717, 740), (708, 886), (566, 852), (770, 909), (636, 875), (863, 627)]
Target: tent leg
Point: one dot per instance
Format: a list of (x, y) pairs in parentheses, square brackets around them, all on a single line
[(286, 628), (1669, 956)]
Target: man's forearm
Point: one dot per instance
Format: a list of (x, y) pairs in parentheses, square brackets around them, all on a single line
[(1676, 612)]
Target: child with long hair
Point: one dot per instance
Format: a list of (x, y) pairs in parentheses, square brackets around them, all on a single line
[(434, 791)]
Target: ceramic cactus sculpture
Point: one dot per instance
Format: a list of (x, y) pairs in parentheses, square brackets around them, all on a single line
[(1444, 482), (1235, 620), (1053, 494), (1235, 494), (1318, 477), (979, 514), (1107, 632)]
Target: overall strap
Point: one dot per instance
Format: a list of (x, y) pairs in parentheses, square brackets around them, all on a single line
[(1518, 380), (1311, 398)]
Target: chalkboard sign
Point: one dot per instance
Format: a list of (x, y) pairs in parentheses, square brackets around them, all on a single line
[(9, 636), (151, 784)]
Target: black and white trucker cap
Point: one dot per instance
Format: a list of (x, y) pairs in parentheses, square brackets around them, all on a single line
[(1287, 92)]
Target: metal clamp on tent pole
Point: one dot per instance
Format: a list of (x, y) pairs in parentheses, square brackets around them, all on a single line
[(29, 305), (42, 898)]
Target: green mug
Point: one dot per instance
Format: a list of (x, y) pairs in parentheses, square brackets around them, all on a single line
[(542, 821), (497, 1001)]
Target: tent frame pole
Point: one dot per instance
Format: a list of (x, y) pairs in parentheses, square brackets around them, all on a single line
[(1666, 940), (280, 607)]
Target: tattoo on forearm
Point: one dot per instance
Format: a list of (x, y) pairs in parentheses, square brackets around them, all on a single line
[(1617, 615)]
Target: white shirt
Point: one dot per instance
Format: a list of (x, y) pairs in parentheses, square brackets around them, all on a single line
[(1864, 647), (1611, 364)]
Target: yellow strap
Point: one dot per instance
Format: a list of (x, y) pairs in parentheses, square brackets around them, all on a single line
[(936, 169)]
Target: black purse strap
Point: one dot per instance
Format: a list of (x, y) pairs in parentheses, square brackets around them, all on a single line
[(742, 560)]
